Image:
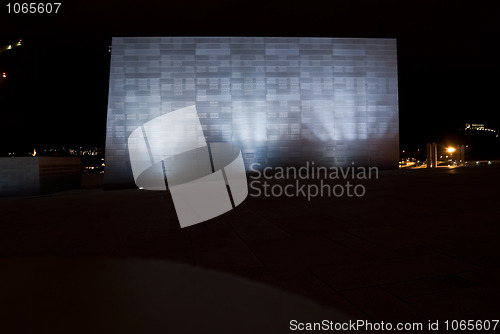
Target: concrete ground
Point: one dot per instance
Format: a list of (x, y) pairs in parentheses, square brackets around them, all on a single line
[(420, 245)]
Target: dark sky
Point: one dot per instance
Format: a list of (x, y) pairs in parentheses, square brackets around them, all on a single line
[(57, 86)]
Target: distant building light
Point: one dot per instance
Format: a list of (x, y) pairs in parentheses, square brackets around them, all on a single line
[(477, 127)]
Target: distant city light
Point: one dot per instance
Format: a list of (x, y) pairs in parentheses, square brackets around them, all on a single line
[(8, 47), (4, 75), (450, 150), (477, 127)]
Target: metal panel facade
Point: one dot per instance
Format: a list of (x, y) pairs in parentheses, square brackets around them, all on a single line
[(283, 101)]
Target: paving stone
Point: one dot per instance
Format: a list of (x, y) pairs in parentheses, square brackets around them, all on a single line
[(462, 304), (488, 277), (374, 273), (297, 254), (382, 306), (428, 285), (309, 285)]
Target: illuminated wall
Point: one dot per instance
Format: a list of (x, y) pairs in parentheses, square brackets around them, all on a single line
[(283, 101)]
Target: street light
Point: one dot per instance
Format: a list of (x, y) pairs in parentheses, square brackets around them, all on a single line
[(450, 150)]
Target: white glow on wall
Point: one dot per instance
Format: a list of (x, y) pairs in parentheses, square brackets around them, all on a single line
[(282, 100)]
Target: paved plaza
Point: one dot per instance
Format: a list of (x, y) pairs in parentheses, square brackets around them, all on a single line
[(420, 245)]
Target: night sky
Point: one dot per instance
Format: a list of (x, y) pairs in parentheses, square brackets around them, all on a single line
[(56, 88)]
